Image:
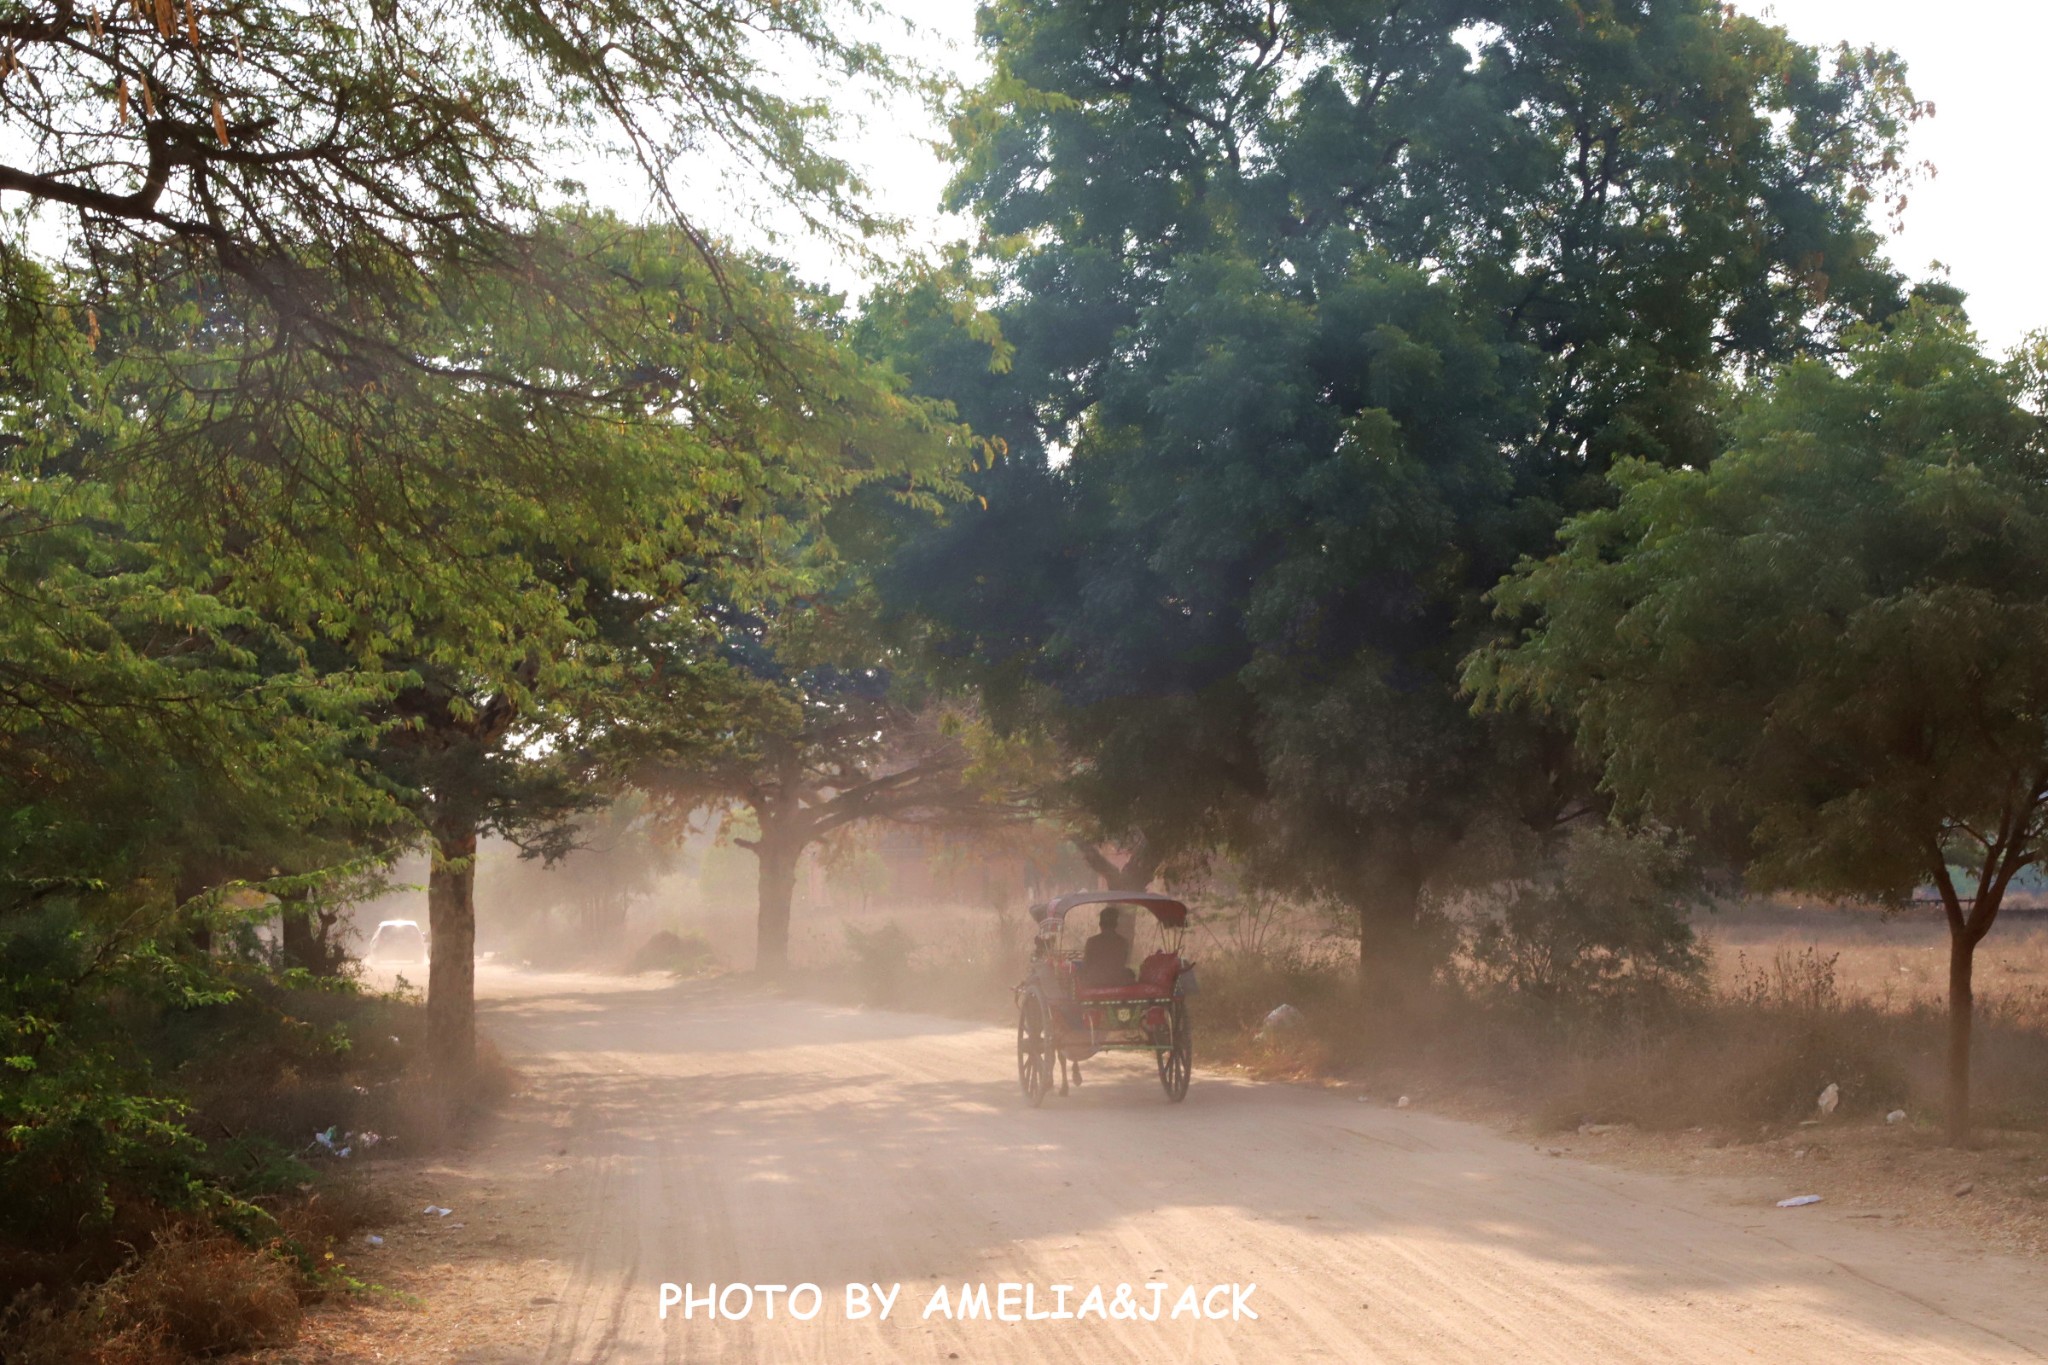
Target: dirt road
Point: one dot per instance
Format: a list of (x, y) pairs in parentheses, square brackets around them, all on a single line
[(700, 1134)]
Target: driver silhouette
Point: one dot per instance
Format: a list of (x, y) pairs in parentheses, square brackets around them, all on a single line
[(1106, 959)]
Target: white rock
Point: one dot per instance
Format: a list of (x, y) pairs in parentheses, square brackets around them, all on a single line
[(1896, 1116), (1401, 1103), (1830, 1097)]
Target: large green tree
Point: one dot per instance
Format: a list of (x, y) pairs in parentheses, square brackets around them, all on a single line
[(1317, 317), (1826, 648), (824, 729), (276, 382), (752, 420)]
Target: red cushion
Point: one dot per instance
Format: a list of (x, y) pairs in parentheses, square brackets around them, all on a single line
[(1159, 971), (1156, 976)]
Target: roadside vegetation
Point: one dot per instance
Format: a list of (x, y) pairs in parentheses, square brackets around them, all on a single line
[(1728, 1019), (215, 1176)]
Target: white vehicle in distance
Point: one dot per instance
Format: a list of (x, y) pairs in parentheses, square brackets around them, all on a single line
[(397, 940)]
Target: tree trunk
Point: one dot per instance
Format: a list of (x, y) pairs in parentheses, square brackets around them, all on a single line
[(332, 953), (188, 887), (1135, 873), (451, 965), (779, 859), (1962, 953), (302, 947), (1391, 953), (1965, 931)]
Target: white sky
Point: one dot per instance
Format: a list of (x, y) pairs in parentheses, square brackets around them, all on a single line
[(1979, 61)]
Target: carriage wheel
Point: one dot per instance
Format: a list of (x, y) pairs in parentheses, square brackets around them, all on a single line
[(1177, 1058), (1034, 1053)]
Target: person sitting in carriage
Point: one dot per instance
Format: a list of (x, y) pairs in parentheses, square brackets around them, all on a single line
[(1106, 959)]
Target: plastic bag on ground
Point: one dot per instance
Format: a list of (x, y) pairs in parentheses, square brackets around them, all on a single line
[(1279, 1017)]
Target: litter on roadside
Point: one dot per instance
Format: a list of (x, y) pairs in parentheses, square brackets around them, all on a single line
[(1279, 1017), (1798, 1201), (437, 1211)]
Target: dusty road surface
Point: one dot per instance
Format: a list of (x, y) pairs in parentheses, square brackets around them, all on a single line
[(700, 1133)]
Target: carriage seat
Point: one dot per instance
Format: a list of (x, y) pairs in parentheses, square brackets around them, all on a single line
[(1155, 981)]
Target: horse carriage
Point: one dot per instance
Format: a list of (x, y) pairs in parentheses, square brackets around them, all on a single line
[(1065, 1015)]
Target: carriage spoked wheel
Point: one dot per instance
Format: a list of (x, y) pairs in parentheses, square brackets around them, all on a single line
[(1177, 1058), (1034, 1052)]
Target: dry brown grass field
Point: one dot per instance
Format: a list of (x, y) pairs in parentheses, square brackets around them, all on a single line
[(1896, 962)]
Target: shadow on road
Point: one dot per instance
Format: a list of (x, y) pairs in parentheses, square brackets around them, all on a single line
[(708, 1133)]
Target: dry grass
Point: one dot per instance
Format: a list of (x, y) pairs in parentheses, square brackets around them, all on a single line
[(192, 1294), (1797, 1000), (326, 1217), (1895, 964)]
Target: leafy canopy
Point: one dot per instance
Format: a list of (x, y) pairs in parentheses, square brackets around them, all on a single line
[(1828, 642), (1319, 317)]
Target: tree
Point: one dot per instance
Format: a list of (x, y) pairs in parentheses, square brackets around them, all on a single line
[(1640, 193), (1134, 873), (317, 351), (157, 736), (1825, 647), (1318, 317), (825, 747), (752, 420), (257, 257), (333, 171), (256, 238)]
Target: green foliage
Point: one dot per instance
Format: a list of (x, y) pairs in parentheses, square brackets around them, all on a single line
[(1332, 310), (355, 484), (1608, 915), (881, 960), (1824, 649), (1639, 191), (337, 167), (1826, 645), (93, 1021)]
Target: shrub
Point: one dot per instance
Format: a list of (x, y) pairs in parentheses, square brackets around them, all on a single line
[(84, 1127), (881, 960), (1609, 915), (681, 954), (191, 1294)]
